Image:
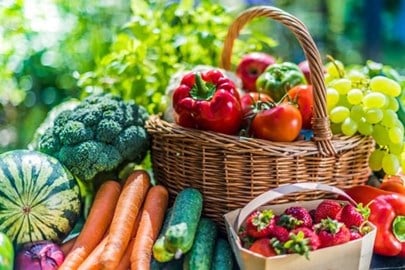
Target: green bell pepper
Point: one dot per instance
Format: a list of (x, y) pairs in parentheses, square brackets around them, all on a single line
[(277, 79), (6, 253)]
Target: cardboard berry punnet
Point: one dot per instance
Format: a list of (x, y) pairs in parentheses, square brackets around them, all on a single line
[(353, 255)]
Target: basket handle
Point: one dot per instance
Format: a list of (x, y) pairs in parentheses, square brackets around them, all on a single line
[(281, 191), (320, 124)]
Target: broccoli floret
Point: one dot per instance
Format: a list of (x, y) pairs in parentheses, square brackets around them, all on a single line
[(100, 134)]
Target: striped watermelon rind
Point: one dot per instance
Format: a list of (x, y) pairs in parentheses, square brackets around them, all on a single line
[(39, 198)]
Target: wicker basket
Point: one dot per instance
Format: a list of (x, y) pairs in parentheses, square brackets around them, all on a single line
[(230, 170)]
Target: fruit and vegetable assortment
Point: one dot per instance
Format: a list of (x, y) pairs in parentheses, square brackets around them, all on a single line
[(366, 100), (300, 230), (84, 147)]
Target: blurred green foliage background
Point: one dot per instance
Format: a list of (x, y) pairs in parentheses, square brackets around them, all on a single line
[(51, 50)]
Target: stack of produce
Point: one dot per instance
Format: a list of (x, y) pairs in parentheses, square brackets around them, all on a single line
[(188, 240)]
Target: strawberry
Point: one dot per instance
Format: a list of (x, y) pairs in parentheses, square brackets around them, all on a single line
[(279, 232), (246, 240), (260, 223), (331, 232), (327, 209), (355, 234), (353, 216), (301, 214), (263, 247), (311, 235), (302, 240)]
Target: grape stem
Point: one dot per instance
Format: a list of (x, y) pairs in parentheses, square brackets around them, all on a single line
[(340, 71)]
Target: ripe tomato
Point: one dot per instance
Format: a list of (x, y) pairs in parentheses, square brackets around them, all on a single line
[(281, 123), (302, 95), (248, 100)]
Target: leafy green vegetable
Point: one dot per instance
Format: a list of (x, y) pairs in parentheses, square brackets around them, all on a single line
[(162, 38), (100, 134)]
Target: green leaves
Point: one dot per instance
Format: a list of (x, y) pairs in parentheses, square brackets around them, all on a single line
[(160, 39)]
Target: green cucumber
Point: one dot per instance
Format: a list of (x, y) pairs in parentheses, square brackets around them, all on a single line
[(223, 256), (201, 254), (171, 265), (160, 254), (187, 209)]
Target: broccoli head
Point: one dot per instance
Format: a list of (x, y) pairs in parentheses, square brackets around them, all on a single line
[(100, 134)]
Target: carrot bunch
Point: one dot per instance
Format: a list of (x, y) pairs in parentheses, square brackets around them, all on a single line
[(121, 228)]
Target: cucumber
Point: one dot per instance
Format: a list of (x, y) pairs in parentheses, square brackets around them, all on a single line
[(223, 256), (180, 234), (201, 254), (160, 253), (171, 265)]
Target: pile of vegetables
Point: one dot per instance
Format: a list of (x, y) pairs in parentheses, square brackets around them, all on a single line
[(130, 225)]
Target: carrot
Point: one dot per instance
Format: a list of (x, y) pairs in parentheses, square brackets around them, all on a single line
[(151, 222), (93, 262), (125, 262), (66, 247), (96, 225), (127, 209)]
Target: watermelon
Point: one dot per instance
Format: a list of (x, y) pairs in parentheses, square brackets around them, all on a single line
[(39, 198)]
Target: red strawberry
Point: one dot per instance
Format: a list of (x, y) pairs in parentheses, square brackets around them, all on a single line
[(260, 223), (331, 233), (301, 214), (355, 234), (327, 209), (353, 216), (246, 240), (279, 232), (263, 247), (302, 240), (311, 235)]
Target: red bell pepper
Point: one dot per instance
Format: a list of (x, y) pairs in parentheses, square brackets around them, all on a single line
[(208, 101), (387, 213)]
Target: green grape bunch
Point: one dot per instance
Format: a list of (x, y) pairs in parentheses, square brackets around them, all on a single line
[(366, 100)]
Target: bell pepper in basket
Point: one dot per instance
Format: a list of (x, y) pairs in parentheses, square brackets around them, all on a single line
[(277, 79), (387, 213), (208, 101)]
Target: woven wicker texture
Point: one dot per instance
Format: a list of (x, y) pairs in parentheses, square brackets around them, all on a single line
[(230, 170)]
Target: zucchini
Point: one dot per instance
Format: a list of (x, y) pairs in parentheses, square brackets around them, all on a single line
[(160, 254), (201, 254), (180, 234), (223, 256)]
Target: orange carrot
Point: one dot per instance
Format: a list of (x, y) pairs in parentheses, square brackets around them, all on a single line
[(66, 247), (128, 206), (125, 262), (96, 225), (151, 222), (93, 262)]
